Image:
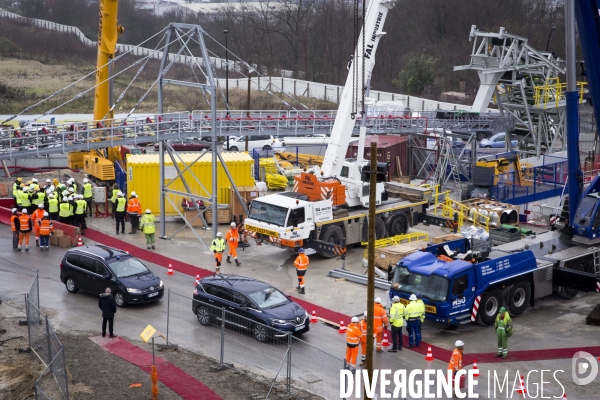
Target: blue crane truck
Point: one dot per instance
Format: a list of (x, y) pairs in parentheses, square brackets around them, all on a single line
[(461, 283)]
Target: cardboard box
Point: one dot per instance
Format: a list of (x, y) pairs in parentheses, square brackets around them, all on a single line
[(54, 240), (58, 233), (447, 238), (64, 241), (248, 193), (390, 255), (196, 223)]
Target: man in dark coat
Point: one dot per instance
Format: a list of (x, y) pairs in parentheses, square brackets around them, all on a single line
[(109, 307)]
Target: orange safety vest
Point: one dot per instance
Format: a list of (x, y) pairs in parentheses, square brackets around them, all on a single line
[(12, 222), (353, 334), (37, 216), (232, 237), (380, 317), (301, 262), (133, 206), (363, 328), (24, 221), (46, 227), (455, 363)]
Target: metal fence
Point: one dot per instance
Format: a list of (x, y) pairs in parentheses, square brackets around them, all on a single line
[(288, 362)]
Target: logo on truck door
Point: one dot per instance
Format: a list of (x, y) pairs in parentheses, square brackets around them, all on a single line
[(261, 230), (458, 302)]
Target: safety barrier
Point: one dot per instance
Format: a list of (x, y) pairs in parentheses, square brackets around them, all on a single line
[(405, 238), (551, 93), (69, 230), (450, 207)]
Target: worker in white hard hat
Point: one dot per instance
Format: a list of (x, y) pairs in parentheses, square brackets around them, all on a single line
[(456, 363), (380, 322), (413, 321), (218, 247), (233, 239), (14, 225), (88, 194), (147, 226), (353, 336), (119, 208), (34, 183), (134, 209), (363, 340), (53, 204), (397, 312)]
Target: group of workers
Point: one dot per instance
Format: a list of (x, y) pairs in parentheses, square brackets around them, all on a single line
[(232, 237), (23, 225)]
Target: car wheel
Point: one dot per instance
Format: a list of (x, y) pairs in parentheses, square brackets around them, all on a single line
[(333, 234), (519, 297), (489, 307), (380, 231), (487, 147), (267, 147), (233, 148), (203, 316), (71, 286), (260, 333), (119, 299), (397, 225)]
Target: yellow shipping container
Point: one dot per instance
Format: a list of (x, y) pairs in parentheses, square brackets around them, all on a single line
[(143, 177)]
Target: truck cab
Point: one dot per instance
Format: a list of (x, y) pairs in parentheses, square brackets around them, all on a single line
[(586, 224)]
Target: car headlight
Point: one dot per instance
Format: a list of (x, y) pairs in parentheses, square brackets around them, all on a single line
[(131, 290), (279, 322), (160, 284)]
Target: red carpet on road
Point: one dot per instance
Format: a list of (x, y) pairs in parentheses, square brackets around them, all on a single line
[(174, 378), (333, 316)]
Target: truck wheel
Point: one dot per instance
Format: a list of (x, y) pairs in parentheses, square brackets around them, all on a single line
[(397, 225), (380, 231), (489, 307), (519, 297), (333, 234)]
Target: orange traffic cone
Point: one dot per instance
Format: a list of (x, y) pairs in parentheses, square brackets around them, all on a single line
[(429, 356), (79, 242), (475, 368), (521, 388), (342, 327), (313, 318), (170, 270), (127, 251), (385, 342), (198, 277), (565, 395)]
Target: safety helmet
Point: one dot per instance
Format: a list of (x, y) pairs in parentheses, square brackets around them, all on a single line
[(40, 206), (300, 250), (378, 300), (32, 187), (50, 195), (22, 185), (70, 198), (502, 310), (45, 214), (19, 179), (412, 297), (120, 194), (65, 198), (233, 225), (26, 188), (396, 299), (34, 180), (219, 234), (85, 180), (48, 181), (14, 210), (365, 314), (24, 211), (71, 190), (459, 343), (71, 180), (354, 320), (148, 211), (133, 194)]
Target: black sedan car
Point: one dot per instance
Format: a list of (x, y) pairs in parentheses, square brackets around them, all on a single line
[(95, 268), (249, 304), (187, 145)]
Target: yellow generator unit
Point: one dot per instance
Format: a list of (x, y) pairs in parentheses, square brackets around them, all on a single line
[(99, 167), (75, 159)]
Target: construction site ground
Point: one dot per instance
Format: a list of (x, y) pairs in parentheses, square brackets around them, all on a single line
[(535, 344)]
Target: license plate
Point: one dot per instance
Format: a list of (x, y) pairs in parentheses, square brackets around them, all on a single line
[(299, 328), (153, 294)]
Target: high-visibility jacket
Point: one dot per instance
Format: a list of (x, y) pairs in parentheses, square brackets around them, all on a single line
[(65, 210), (218, 245), (81, 206), (455, 363), (36, 216), (301, 262), (71, 208), (38, 198), (413, 311), (233, 237), (18, 196), (24, 223), (15, 189), (397, 312), (52, 205), (421, 308), (353, 334), (25, 201), (133, 206), (147, 224), (87, 191), (121, 202), (113, 198), (507, 321), (363, 328), (74, 188), (45, 227), (379, 317), (14, 222)]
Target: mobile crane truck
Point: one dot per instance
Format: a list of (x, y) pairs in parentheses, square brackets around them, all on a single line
[(462, 281)]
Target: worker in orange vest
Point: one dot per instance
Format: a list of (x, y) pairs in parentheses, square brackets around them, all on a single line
[(133, 211), (380, 322), (233, 238), (45, 229), (456, 363), (301, 265), (363, 340), (14, 225), (37, 216), (353, 337), (24, 229)]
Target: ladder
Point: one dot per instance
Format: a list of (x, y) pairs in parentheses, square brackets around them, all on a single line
[(596, 256)]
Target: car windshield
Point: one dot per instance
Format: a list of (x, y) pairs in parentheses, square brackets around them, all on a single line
[(432, 287), (269, 298), (585, 209), (127, 266), (268, 213)]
